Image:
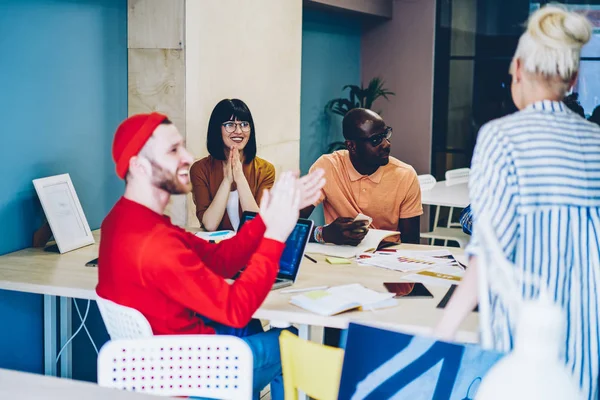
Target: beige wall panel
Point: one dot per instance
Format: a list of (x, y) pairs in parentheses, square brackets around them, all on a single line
[(155, 24), (156, 82), (250, 50), (282, 155)]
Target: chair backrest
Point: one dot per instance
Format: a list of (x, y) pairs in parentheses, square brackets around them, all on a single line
[(211, 366), (457, 176), (123, 322), (313, 368), (427, 182)]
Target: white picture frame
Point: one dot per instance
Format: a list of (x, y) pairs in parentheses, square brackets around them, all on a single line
[(63, 211)]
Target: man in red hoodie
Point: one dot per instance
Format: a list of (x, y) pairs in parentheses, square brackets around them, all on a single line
[(176, 280)]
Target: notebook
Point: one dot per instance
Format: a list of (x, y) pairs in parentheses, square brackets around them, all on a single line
[(370, 243), (338, 299)]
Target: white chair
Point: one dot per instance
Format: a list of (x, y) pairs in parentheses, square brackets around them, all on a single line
[(123, 322), (447, 234), (453, 230), (211, 366), (130, 333), (427, 182), (457, 176)]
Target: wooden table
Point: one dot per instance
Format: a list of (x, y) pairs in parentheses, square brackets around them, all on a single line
[(21, 385), (62, 277)]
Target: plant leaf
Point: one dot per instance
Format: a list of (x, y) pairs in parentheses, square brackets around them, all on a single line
[(336, 146)]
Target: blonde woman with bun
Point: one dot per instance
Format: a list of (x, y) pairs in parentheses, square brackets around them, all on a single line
[(535, 176)]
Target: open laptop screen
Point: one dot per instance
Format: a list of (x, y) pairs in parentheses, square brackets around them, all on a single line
[(294, 246)]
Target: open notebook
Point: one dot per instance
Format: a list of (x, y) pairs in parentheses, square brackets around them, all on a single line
[(338, 299), (370, 243)]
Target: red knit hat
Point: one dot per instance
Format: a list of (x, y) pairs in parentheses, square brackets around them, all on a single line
[(131, 136)]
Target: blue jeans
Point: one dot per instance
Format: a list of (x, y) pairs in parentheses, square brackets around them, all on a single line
[(265, 351)]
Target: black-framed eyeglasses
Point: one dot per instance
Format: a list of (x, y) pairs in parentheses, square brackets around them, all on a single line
[(231, 126), (376, 140)]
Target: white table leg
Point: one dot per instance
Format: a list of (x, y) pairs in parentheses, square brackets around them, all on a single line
[(50, 319), (304, 332), (66, 329)]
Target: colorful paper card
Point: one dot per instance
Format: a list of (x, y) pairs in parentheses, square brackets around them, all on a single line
[(384, 364)]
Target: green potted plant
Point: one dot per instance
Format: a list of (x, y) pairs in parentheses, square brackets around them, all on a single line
[(358, 97)]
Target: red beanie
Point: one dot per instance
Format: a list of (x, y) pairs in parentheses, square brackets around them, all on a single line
[(131, 136)]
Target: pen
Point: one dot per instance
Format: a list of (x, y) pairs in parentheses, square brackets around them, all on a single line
[(310, 258), (304, 290)]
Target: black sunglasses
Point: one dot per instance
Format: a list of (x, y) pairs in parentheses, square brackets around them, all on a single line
[(376, 140)]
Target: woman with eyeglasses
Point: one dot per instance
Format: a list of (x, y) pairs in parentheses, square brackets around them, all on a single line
[(231, 179)]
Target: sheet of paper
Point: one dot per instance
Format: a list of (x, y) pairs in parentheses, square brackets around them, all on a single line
[(62, 207), (369, 243), (443, 275), (407, 261), (359, 293)]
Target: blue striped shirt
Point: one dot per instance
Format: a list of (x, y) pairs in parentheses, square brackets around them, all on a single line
[(537, 174), (466, 220)]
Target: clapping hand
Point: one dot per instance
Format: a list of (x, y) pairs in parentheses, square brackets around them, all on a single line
[(236, 165), (228, 168), (310, 187), (280, 207)]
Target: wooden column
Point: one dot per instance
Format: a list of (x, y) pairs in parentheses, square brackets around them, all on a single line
[(157, 68)]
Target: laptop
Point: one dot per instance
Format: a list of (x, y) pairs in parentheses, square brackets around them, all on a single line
[(290, 261)]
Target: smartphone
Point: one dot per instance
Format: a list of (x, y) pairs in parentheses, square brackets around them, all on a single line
[(408, 289), (92, 263), (362, 217)]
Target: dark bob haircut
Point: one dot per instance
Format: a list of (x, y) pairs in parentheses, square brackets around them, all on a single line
[(229, 110)]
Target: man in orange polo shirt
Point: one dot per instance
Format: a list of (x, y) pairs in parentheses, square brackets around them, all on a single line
[(365, 180)]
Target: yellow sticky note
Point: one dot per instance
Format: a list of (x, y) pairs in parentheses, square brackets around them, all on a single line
[(317, 294), (336, 260)]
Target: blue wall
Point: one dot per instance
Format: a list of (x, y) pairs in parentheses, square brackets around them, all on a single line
[(63, 74), (330, 60)]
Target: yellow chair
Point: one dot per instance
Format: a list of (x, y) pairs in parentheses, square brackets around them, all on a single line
[(313, 368)]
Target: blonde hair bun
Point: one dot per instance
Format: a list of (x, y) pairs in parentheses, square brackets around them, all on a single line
[(552, 43), (555, 27)]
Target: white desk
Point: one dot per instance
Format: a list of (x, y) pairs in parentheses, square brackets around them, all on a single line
[(66, 276), (447, 196), (21, 385), (414, 316)]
